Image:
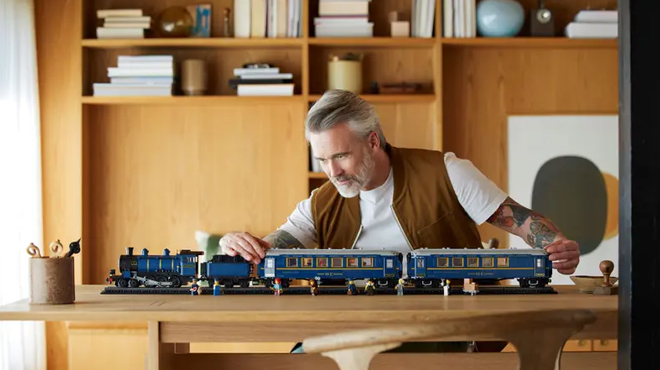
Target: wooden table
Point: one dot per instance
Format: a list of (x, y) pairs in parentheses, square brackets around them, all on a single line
[(174, 321)]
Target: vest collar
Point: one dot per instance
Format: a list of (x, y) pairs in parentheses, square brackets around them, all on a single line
[(398, 172)]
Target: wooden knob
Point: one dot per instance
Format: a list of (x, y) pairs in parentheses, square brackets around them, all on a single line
[(606, 267)]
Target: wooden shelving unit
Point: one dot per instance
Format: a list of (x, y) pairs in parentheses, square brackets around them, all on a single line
[(249, 144)]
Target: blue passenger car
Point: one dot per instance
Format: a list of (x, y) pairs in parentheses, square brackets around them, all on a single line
[(382, 267), (428, 267)]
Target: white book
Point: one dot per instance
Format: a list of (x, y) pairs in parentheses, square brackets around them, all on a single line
[(129, 58), (597, 16), (103, 13), (261, 76), (142, 25), (119, 33), (592, 30), (448, 18), (345, 31), (155, 80), (136, 72), (253, 71), (265, 90), (116, 19), (242, 18)]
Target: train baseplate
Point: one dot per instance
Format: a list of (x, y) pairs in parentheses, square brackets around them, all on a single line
[(332, 290)]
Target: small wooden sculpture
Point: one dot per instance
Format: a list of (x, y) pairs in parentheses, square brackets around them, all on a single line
[(606, 268)]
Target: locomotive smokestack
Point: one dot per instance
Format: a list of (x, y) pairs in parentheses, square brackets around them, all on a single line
[(129, 251)]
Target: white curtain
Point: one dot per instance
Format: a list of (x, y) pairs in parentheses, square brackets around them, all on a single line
[(22, 344)]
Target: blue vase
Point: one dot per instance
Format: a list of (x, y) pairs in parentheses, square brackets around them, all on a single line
[(499, 18)]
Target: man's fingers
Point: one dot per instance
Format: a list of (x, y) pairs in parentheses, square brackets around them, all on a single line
[(562, 246), (254, 243), (564, 256), (565, 265), (230, 251), (248, 247)]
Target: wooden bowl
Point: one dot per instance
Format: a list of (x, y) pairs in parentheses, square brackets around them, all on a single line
[(587, 284)]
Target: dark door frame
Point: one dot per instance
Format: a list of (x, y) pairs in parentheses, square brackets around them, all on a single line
[(639, 189)]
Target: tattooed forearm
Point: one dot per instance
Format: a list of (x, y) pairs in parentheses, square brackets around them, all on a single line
[(282, 239), (531, 226)]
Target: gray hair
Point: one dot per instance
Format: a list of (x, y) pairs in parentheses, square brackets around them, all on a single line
[(341, 106)]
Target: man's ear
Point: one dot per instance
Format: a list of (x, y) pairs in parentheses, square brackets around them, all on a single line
[(374, 141)]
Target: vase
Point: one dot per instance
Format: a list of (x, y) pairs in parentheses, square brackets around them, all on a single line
[(499, 18)]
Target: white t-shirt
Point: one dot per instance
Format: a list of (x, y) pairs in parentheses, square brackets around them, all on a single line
[(478, 195)]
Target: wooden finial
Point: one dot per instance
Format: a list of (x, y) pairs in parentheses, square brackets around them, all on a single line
[(606, 268)]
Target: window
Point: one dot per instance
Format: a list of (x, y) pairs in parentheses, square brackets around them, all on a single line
[(337, 262), (306, 262), (322, 262), (539, 263), (487, 262), (292, 262), (502, 262), (457, 262), (269, 263), (420, 262), (351, 262), (443, 262), (367, 262), (390, 264), (473, 262)]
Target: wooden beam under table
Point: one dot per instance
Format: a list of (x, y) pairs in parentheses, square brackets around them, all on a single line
[(389, 361), (605, 327)]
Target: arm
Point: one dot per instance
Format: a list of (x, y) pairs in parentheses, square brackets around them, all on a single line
[(282, 239), (535, 229), (539, 232)]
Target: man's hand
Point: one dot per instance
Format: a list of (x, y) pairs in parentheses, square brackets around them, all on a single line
[(244, 244), (565, 255)]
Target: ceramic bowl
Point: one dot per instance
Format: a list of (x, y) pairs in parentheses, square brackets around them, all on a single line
[(587, 284)]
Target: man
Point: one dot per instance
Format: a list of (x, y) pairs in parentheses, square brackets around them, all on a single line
[(382, 197)]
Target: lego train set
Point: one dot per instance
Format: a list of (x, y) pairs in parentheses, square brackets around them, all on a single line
[(427, 270)]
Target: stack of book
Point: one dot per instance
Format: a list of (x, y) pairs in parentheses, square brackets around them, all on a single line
[(423, 18), (267, 18), (122, 24), (343, 18), (459, 18), (594, 24), (139, 75), (262, 80)]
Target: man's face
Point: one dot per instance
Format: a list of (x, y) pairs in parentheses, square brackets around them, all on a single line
[(344, 157)]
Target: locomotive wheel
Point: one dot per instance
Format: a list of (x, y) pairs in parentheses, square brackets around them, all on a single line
[(227, 283), (133, 283), (176, 282), (122, 283), (245, 284)]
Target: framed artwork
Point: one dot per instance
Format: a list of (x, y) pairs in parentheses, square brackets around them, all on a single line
[(566, 167)]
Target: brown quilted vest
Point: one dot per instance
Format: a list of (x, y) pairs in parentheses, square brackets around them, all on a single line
[(424, 204)]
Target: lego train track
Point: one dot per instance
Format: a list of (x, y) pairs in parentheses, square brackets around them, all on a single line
[(330, 290)]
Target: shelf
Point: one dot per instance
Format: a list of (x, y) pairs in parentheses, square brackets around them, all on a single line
[(317, 175), (374, 41), (188, 100), (540, 42), (214, 42), (390, 98)]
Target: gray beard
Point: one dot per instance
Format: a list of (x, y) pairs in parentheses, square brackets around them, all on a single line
[(356, 183)]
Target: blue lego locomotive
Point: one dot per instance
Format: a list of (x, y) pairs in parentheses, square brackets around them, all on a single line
[(164, 270), (429, 267)]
